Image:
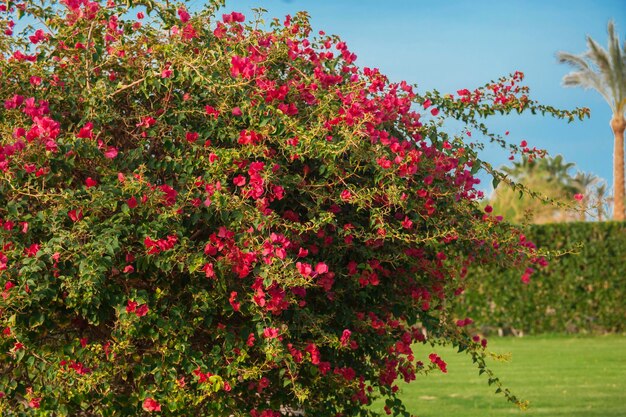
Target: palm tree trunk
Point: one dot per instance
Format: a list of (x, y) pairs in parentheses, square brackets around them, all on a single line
[(618, 125)]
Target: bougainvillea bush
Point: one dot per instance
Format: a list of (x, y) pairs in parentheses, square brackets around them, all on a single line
[(203, 215)]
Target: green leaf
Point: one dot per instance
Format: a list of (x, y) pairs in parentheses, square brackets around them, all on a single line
[(36, 320)]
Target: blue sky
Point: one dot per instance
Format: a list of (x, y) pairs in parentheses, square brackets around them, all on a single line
[(454, 44)]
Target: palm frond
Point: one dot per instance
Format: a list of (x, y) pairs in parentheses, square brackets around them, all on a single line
[(586, 80), (618, 59), (598, 55), (602, 70), (584, 180), (608, 66), (576, 61)]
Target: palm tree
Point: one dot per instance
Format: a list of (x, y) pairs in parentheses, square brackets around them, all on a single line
[(605, 72), (522, 169), (556, 171), (549, 177)]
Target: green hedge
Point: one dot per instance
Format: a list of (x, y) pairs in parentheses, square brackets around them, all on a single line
[(577, 292)]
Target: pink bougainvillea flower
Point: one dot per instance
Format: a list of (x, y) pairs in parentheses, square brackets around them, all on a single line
[(86, 131), (34, 402), (239, 180), (208, 270), (384, 163), (32, 250), (263, 383), (248, 137), (579, 197), (170, 194), (270, 333), (527, 274), (464, 322), (434, 358), (189, 32), (211, 111), (90, 182), (38, 36), (131, 306), (167, 72), (75, 215), (238, 17), (313, 350), (132, 202), (242, 66), (147, 122), (321, 268), (142, 310), (111, 152), (183, 14), (233, 17), (150, 404), (233, 301), (346, 195), (345, 337), (191, 136), (304, 268)]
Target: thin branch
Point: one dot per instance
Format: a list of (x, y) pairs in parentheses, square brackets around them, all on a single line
[(125, 87)]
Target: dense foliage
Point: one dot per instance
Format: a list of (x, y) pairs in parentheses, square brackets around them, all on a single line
[(583, 291), (202, 217)]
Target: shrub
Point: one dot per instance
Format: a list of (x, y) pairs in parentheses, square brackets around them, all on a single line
[(201, 217), (581, 291)]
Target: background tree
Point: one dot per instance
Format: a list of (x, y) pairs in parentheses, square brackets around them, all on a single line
[(550, 177), (605, 72)]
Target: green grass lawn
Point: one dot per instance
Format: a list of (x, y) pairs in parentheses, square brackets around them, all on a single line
[(560, 376)]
